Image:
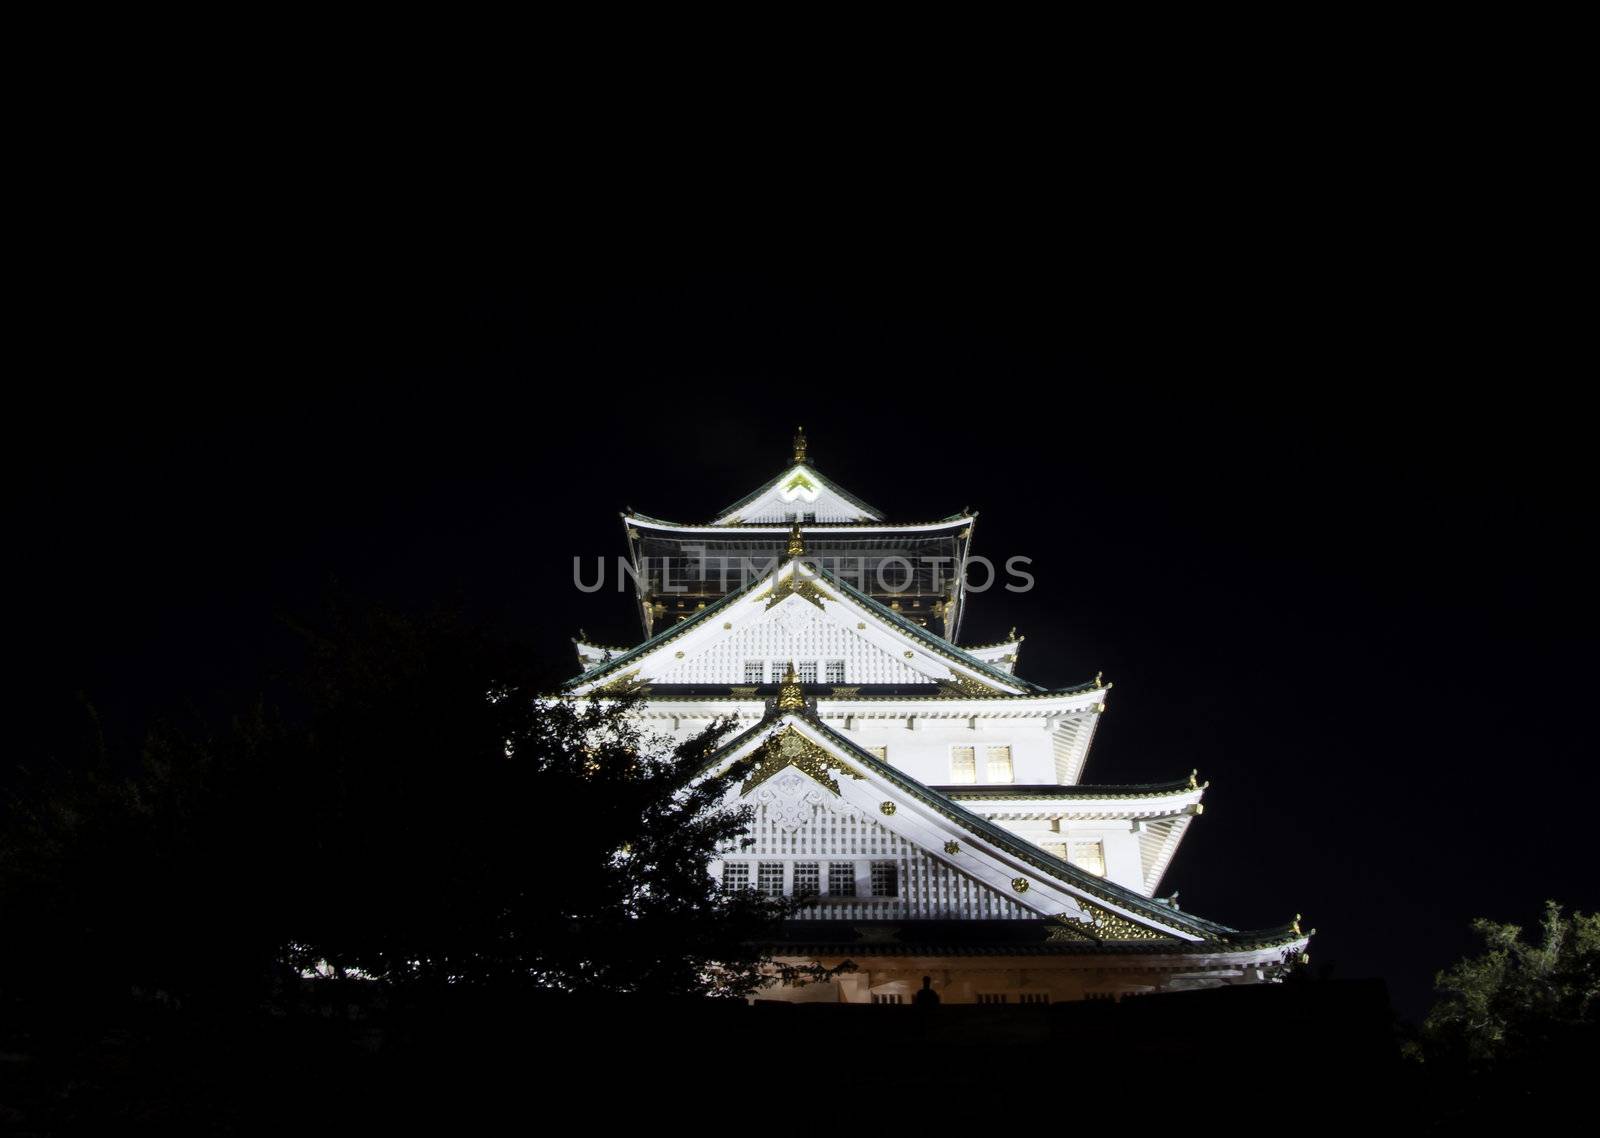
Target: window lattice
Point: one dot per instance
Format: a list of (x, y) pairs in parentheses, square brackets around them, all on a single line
[(991, 997), (847, 843), (774, 645), (885, 879), (769, 878), (1033, 998), (736, 875), (754, 672), (807, 876), (1000, 764), (836, 671), (1090, 856), (808, 672), (963, 764)]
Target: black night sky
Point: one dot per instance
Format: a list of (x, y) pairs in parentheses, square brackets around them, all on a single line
[(1317, 503)]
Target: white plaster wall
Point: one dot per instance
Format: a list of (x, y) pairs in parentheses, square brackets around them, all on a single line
[(1117, 839), (797, 633), (923, 750)]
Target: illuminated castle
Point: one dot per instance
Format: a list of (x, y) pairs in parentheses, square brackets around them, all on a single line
[(926, 797)]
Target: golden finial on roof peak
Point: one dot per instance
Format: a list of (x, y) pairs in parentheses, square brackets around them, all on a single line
[(790, 697), (799, 444)]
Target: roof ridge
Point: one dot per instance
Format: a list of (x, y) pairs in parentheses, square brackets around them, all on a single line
[(678, 628)]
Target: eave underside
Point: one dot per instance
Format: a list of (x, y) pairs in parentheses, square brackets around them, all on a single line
[(1008, 938), (966, 793), (678, 570)]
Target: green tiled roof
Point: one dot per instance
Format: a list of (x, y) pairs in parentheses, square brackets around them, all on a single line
[(1052, 790)]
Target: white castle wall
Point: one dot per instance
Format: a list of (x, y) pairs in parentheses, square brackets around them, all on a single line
[(923, 750), (798, 636)]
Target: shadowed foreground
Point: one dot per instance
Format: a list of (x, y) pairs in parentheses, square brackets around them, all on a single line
[(1310, 1055)]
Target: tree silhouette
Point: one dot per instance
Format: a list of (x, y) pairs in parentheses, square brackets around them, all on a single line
[(421, 815)]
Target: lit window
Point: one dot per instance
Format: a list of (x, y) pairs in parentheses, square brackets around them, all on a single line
[(1056, 849), (999, 764), (1090, 856), (736, 875), (991, 997), (963, 764), (841, 879), (808, 672), (879, 753), (1033, 998), (769, 878), (807, 876), (753, 672), (887, 998), (885, 879), (836, 671)]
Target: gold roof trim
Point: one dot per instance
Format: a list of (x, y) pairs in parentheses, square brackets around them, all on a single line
[(789, 748)]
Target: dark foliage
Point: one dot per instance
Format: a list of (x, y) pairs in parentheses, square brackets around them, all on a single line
[(424, 819), (1517, 1001), (1517, 1025)]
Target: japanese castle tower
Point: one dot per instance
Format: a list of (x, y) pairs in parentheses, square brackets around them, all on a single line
[(931, 798)]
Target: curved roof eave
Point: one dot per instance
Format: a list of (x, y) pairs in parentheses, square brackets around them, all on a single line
[(1079, 879)]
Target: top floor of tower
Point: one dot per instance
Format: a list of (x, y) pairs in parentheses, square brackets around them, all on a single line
[(915, 568)]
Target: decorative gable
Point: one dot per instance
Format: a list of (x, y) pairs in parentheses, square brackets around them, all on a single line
[(799, 494), (789, 748), (798, 630), (798, 613), (904, 851)]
